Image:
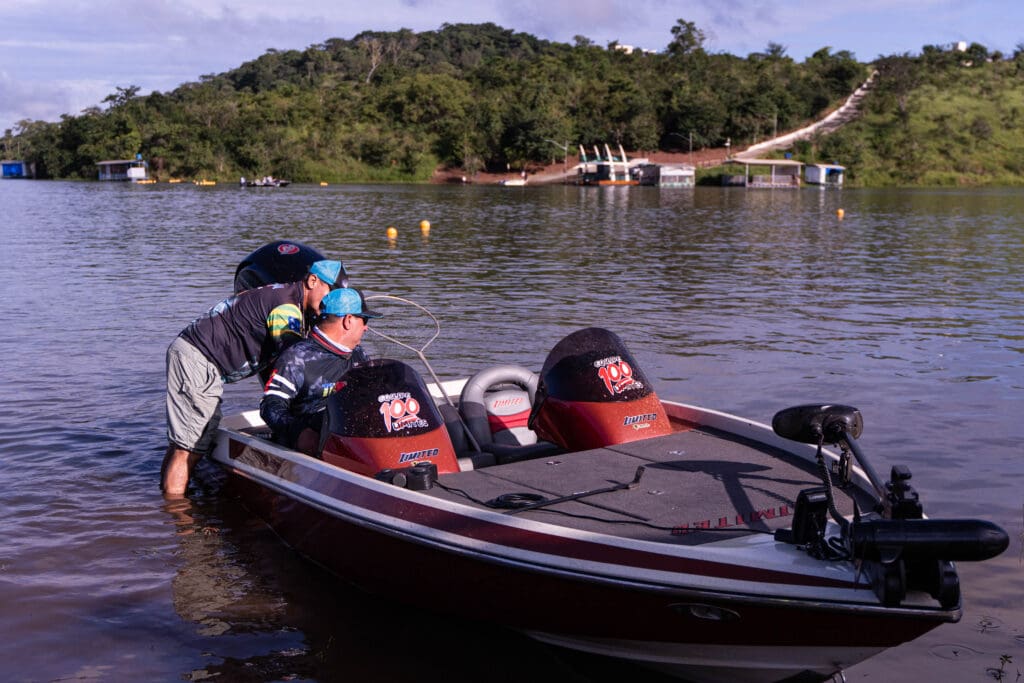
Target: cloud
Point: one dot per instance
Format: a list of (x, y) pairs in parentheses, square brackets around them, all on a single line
[(563, 19), (28, 100), (66, 56), (61, 56)]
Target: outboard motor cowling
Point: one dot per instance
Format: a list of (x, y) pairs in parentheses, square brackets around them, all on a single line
[(592, 394), (384, 418), (280, 261)]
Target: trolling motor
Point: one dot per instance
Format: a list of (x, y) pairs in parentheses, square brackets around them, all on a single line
[(898, 549)]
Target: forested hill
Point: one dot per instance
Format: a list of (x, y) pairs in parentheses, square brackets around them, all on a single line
[(395, 105)]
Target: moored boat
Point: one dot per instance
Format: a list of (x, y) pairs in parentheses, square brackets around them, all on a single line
[(577, 506), (267, 181)]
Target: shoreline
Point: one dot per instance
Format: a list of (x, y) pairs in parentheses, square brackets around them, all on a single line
[(554, 172)]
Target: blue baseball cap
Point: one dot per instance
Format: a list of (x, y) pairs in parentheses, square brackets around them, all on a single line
[(331, 272), (346, 301)]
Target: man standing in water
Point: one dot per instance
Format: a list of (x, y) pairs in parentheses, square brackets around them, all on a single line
[(235, 339), (295, 396)]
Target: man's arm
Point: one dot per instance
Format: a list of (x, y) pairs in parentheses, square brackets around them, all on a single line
[(275, 406), (284, 327)]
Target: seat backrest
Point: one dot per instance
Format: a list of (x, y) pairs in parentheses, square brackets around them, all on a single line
[(496, 403), (508, 411)]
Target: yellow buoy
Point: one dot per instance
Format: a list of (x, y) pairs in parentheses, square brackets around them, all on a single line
[(840, 213), (424, 227), (392, 232), (323, 183)]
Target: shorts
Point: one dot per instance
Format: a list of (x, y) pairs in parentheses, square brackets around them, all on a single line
[(194, 389)]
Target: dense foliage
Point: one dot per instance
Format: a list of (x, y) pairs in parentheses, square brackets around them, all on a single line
[(395, 105), (940, 118)]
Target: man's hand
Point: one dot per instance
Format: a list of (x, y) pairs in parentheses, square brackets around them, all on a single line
[(308, 442)]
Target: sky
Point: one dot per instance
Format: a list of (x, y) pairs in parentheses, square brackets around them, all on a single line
[(61, 56)]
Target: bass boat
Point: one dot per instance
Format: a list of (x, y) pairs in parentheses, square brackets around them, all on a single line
[(575, 505)]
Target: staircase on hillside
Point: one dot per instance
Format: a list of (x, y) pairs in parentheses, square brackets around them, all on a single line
[(844, 114)]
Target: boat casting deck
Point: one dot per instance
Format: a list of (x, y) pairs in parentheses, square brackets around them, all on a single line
[(694, 479)]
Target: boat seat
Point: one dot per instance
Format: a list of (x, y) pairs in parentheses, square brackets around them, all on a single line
[(495, 407), (456, 430)]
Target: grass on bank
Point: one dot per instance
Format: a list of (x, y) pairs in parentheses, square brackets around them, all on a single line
[(963, 128)]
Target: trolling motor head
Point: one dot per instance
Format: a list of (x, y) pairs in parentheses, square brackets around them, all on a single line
[(817, 424)]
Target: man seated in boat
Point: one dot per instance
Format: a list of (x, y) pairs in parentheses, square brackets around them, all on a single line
[(237, 338), (295, 396)]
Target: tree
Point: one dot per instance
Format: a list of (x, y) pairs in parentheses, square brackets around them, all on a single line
[(898, 77), (122, 97), (977, 53), (374, 50), (687, 39)]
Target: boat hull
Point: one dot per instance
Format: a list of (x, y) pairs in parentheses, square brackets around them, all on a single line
[(704, 612), (649, 625)]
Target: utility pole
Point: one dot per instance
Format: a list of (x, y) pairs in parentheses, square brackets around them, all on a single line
[(565, 153), (690, 139)]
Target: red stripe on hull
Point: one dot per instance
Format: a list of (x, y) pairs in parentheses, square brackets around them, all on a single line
[(514, 537), (528, 599)]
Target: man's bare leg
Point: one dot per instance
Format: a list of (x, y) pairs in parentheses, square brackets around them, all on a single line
[(177, 467)]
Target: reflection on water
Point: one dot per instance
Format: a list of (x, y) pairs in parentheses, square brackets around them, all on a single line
[(262, 613), (909, 308)]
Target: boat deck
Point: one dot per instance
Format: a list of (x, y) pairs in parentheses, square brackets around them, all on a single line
[(693, 480)]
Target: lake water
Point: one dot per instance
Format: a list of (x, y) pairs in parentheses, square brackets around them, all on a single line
[(910, 308)]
